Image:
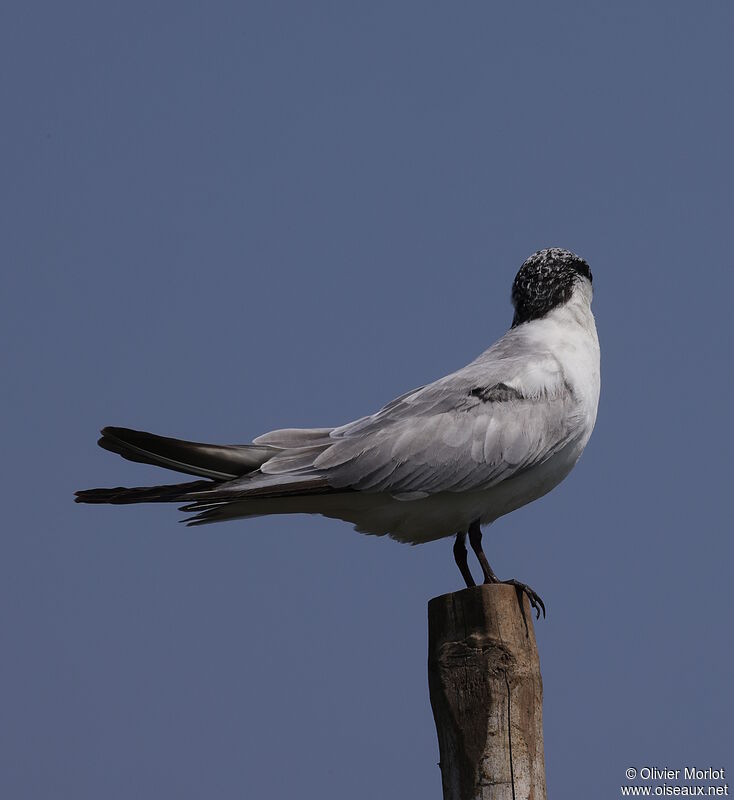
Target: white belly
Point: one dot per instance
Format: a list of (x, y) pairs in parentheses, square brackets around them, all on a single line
[(430, 518)]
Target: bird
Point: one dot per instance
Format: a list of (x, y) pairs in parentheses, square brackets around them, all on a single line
[(439, 461)]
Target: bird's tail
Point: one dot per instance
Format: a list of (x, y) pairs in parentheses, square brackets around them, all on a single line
[(123, 495), (217, 461), (232, 470)]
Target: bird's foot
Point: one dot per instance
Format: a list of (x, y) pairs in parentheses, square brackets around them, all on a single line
[(534, 598)]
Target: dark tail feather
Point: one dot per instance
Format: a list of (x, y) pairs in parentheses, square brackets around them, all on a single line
[(143, 494), (234, 470), (220, 462)]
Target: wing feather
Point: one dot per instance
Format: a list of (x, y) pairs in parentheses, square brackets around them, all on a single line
[(507, 411), (498, 416)]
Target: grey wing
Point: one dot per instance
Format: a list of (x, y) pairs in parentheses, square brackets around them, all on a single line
[(508, 410), (465, 432)]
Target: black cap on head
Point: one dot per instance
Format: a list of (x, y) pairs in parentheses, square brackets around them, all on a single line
[(545, 281)]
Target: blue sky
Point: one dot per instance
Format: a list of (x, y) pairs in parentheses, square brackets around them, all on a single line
[(221, 219)]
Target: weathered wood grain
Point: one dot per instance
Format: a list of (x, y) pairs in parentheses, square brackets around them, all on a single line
[(486, 694)]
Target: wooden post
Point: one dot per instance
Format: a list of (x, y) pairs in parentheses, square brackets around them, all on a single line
[(486, 694)]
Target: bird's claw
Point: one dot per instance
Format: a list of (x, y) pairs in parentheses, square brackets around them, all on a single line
[(534, 598)]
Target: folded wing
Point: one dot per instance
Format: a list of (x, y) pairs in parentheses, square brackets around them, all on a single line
[(468, 431)]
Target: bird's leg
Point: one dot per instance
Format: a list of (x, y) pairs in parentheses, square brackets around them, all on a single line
[(475, 539), (460, 558)]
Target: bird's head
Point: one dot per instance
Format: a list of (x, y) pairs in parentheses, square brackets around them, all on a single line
[(545, 281)]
